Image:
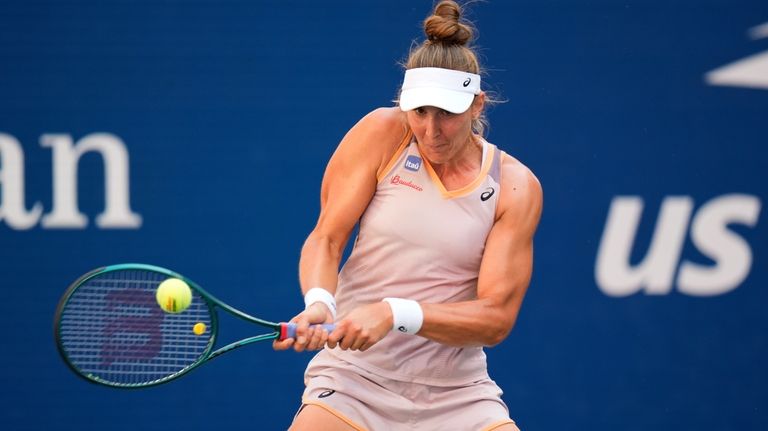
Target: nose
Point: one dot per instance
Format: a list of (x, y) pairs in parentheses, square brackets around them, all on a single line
[(432, 128)]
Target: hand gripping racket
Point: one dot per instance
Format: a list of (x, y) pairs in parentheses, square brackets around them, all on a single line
[(110, 329)]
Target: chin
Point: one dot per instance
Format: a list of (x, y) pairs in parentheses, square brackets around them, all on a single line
[(435, 158)]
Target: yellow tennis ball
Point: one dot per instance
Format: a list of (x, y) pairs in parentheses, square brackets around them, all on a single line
[(199, 328), (173, 295)]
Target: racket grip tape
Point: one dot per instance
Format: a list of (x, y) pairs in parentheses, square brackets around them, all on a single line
[(288, 330)]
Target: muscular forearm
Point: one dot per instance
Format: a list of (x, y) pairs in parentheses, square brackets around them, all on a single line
[(319, 263), (469, 323)]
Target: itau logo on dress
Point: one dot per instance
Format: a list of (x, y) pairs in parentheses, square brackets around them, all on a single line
[(413, 163)]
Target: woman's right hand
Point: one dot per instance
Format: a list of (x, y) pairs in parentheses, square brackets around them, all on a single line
[(308, 338)]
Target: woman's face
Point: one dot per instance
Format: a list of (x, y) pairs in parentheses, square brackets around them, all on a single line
[(442, 135)]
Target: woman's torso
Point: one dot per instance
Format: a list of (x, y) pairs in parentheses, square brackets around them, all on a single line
[(419, 241)]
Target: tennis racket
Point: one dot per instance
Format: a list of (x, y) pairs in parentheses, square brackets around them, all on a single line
[(110, 329)]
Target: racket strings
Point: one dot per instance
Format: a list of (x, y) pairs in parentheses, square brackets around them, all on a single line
[(112, 329)]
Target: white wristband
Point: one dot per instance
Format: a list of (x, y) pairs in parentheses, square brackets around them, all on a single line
[(318, 294), (407, 315)]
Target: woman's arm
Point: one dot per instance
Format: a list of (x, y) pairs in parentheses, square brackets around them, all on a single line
[(505, 270), (348, 186)]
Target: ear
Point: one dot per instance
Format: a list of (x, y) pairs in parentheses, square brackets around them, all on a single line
[(478, 105)]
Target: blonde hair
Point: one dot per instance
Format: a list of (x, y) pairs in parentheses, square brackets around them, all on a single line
[(448, 46)]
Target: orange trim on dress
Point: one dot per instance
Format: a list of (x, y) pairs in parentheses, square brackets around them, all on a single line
[(448, 194), (498, 424), (334, 412), (382, 172)]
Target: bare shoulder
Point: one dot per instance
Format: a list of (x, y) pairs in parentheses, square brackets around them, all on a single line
[(518, 177), (376, 136), (522, 196), (386, 120)]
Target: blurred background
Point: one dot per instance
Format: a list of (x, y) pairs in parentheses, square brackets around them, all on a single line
[(194, 134)]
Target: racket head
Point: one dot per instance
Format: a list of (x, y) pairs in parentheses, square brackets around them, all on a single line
[(109, 328)]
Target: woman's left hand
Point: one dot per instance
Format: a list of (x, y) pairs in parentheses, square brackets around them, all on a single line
[(362, 328)]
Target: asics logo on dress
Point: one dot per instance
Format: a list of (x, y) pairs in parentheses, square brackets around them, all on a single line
[(487, 194), (413, 163), (327, 394)]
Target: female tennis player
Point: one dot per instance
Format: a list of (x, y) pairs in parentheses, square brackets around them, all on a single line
[(441, 262)]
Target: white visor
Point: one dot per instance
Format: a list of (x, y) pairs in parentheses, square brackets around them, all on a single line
[(452, 90)]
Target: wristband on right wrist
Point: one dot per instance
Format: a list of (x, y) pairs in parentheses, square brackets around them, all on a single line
[(318, 294)]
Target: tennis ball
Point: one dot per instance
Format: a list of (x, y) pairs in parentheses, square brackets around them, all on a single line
[(173, 295), (199, 328)]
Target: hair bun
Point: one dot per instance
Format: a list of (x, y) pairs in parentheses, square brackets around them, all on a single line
[(445, 25)]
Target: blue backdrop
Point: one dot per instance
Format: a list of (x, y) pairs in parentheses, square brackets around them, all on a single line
[(645, 122)]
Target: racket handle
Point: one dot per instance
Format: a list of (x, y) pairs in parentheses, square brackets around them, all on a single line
[(288, 330)]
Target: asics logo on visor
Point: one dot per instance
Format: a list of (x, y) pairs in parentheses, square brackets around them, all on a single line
[(466, 83)]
